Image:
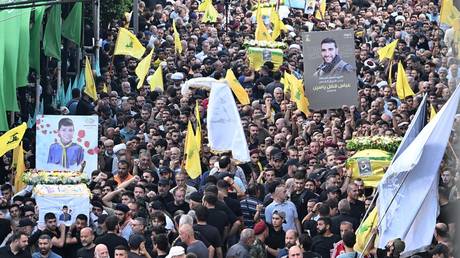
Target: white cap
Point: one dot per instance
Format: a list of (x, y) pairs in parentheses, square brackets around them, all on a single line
[(175, 251), (177, 76), (119, 147)]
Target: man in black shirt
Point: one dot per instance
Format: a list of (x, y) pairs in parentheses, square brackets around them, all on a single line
[(276, 234), (357, 208), (179, 202), (216, 218), (57, 235), (211, 233), (111, 238), (324, 241), (86, 239), (17, 247)]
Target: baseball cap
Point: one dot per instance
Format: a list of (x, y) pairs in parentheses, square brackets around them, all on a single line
[(163, 182), (196, 197), (122, 207)]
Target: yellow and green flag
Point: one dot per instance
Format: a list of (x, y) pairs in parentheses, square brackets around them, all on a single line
[(128, 44), (432, 112), (278, 24), (364, 232), (261, 30), (369, 165), (449, 13), (12, 138), (295, 86), (236, 87), (142, 69), (198, 125), (319, 14), (210, 14), (403, 88), (258, 56)]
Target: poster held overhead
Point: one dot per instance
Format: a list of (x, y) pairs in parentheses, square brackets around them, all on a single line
[(330, 69)]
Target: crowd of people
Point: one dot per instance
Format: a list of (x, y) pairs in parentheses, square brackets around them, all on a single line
[(296, 197)]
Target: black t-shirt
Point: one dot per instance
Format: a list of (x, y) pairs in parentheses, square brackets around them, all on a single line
[(357, 209), (71, 249), (85, 253), (225, 209), (218, 219), (309, 227), (111, 240), (275, 239), (323, 245), (5, 252), (234, 205), (5, 228), (211, 234), (171, 207), (169, 197)]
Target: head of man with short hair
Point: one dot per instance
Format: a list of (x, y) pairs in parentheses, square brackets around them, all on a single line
[(101, 251), (44, 245), (291, 237), (87, 237), (121, 251), (295, 252), (19, 242)]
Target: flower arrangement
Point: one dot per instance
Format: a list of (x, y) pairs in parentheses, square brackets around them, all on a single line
[(386, 143), (33, 177), (264, 44)]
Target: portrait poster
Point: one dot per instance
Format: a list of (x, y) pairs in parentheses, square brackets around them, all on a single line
[(65, 201), (330, 79), (65, 142), (297, 4)]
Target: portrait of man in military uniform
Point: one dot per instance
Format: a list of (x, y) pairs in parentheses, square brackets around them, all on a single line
[(332, 65)]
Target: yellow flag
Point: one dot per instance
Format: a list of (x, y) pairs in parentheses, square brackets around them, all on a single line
[(403, 88), (204, 5), (105, 89), (387, 51), (261, 29), (236, 87), (319, 14), (295, 86), (198, 125), (449, 13), (90, 86), (142, 69), (12, 138), (259, 56), (177, 42), (192, 152), (278, 25), (156, 80), (363, 234), (369, 165), (20, 168), (210, 14), (128, 44), (432, 112)]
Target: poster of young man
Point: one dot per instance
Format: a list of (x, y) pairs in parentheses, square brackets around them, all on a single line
[(65, 142), (329, 69)]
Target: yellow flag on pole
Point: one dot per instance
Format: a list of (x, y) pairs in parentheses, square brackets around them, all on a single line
[(90, 86), (364, 232), (18, 157), (236, 87), (210, 14), (278, 25), (403, 88), (319, 14), (177, 42), (12, 138), (204, 5), (192, 152), (449, 13), (128, 44), (387, 51), (261, 29), (156, 80), (142, 69), (104, 88), (295, 86)]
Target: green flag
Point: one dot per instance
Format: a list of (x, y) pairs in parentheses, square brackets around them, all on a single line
[(3, 119), (52, 37), (35, 38), (24, 46), (71, 26), (11, 22)]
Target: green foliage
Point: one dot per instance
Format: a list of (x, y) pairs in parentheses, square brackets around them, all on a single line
[(114, 9)]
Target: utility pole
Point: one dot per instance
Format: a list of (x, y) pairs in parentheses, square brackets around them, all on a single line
[(135, 16), (96, 26)]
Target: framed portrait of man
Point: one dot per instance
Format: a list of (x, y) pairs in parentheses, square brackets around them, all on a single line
[(329, 69)]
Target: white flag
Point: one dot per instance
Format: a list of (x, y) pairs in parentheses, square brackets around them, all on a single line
[(412, 214), (225, 131)]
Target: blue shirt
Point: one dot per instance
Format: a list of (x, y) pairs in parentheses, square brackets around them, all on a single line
[(288, 208), (51, 255)]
